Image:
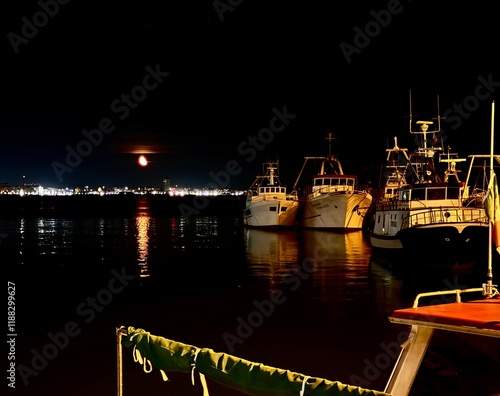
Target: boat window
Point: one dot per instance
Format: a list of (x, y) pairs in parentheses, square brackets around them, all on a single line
[(317, 182), (283, 190), (350, 182), (436, 193), (453, 193), (272, 189), (267, 189), (272, 208), (404, 195), (342, 182), (418, 193), (283, 208)]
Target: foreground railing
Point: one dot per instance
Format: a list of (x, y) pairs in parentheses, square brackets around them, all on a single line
[(446, 215)]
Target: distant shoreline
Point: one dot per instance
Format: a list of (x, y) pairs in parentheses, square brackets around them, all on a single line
[(120, 205)]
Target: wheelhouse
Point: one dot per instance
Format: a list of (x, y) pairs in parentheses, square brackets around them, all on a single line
[(331, 183), (430, 193), (272, 190)]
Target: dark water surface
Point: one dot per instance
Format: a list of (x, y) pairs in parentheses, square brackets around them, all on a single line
[(197, 280)]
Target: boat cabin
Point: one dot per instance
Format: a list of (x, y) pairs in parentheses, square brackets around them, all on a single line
[(430, 192), (272, 190), (267, 192), (333, 183)]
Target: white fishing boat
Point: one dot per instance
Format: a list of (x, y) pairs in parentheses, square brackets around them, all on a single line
[(425, 210), (334, 200), (474, 322), (268, 204)]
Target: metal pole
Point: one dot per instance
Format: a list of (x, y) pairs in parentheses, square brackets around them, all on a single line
[(489, 284), (119, 332)]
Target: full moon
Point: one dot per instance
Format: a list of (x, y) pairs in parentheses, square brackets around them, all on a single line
[(143, 161)]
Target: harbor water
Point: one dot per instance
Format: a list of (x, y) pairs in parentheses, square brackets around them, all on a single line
[(312, 302)]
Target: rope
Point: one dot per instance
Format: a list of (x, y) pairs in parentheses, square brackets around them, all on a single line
[(202, 376), (304, 382)]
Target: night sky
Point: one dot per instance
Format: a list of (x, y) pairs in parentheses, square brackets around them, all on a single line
[(198, 87)]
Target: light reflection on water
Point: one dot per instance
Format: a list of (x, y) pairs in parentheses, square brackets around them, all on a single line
[(142, 223), (55, 236), (328, 266), (334, 267), (337, 266), (342, 263), (270, 255), (51, 236)]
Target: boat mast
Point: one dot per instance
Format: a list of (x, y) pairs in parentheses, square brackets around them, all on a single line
[(329, 138), (271, 169), (330, 158), (420, 167), (424, 128)]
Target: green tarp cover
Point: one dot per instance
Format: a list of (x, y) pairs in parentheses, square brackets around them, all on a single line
[(236, 373)]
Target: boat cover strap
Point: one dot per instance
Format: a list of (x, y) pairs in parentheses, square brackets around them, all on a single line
[(245, 376)]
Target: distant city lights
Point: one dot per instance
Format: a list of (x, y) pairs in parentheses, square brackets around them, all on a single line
[(28, 189)]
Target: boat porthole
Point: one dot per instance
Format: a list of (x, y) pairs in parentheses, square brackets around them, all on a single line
[(447, 239), (447, 214)]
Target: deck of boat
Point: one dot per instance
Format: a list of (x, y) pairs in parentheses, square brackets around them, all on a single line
[(477, 317)]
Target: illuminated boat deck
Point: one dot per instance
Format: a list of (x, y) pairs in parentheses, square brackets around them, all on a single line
[(479, 317)]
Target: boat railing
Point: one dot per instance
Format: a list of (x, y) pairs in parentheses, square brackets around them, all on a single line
[(392, 204), (293, 196), (445, 215), (320, 190), (273, 197)]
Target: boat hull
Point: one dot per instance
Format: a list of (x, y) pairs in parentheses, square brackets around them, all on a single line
[(430, 233), (341, 210), (448, 245), (385, 242), (271, 214)]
